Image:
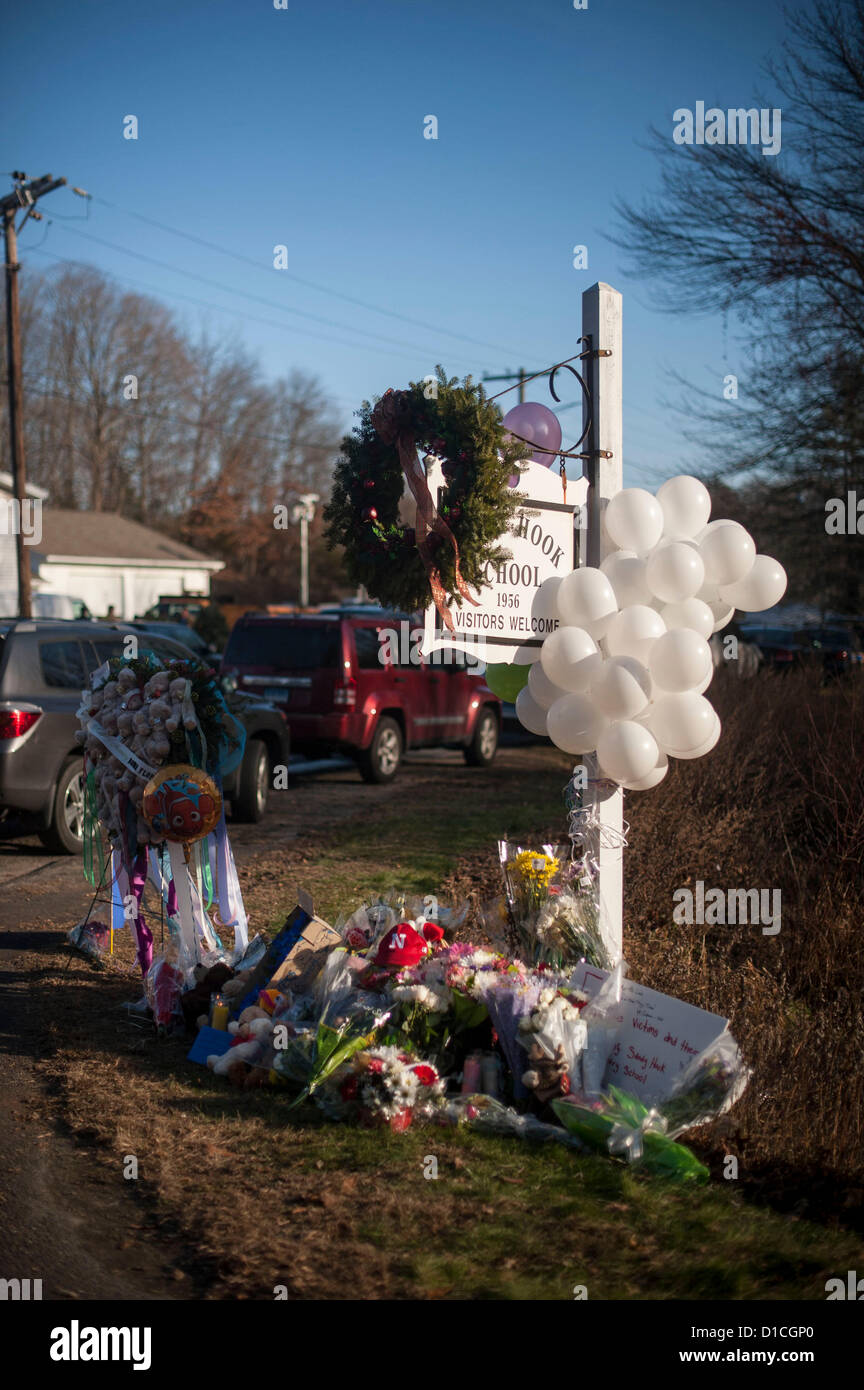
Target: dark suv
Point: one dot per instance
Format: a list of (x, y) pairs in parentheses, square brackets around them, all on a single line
[(352, 681), (44, 665)]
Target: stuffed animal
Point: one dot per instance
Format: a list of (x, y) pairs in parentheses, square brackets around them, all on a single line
[(126, 680), (547, 1076), (157, 685), (176, 694), (159, 710), (141, 722)]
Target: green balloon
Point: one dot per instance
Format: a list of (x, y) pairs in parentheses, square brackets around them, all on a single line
[(506, 680)]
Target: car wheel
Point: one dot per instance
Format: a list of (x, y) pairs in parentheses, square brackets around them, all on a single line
[(253, 791), (380, 761), (480, 752), (65, 833)]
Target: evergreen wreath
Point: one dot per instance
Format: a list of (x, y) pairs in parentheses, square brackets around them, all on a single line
[(462, 427)]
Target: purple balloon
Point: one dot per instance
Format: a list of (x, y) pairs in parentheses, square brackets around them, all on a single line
[(539, 425)]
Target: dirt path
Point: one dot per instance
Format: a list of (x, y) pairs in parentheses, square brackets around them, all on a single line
[(66, 1218)]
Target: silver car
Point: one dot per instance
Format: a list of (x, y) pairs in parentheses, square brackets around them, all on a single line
[(44, 665)]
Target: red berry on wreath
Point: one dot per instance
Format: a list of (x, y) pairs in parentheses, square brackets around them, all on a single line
[(369, 482), (455, 512), (370, 514)]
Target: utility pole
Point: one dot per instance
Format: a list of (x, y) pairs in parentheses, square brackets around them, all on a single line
[(26, 194), (512, 376), (304, 512)]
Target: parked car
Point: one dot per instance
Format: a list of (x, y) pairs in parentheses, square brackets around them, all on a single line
[(780, 647), (333, 674), (836, 649), (177, 632), (44, 664)]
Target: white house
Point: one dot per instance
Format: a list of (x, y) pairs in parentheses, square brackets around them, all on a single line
[(100, 558)]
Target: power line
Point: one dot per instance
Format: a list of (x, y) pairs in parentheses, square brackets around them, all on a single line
[(244, 316), (299, 280), (242, 294)]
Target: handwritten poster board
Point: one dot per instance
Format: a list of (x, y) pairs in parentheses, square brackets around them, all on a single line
[(657, 1036)]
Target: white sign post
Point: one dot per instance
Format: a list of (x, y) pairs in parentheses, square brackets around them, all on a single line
[(601, 325), (512, 617)]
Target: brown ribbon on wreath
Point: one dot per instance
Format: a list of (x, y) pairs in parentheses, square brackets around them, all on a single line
[(391, 422)]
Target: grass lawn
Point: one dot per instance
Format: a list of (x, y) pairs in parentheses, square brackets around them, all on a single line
[(265, 1199)]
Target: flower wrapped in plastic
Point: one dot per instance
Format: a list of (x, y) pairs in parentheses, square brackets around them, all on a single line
[(492, 1116), (709, 1086), (382, 1086), (310, 1057), (554, 1033), (620, 1124)]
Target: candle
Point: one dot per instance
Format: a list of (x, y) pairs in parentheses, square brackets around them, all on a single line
[(471, 1074), (218, 1013)]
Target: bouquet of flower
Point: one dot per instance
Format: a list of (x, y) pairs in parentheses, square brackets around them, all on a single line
[(711, 1084), (382, 1086), (491, 1116), (618, 1123), (551, 911), (554, 1033), (311, 1056)]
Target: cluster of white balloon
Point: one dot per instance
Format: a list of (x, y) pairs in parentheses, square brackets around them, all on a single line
[(624, 673)]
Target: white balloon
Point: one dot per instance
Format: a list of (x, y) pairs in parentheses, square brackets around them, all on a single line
[(686, 505), (674, 571), (545, 602), (530, 715), (633, 631), (574, 723), (693, 612), (722, 613), (570, 658), (622, 688), (625, 571), (705, 747), (704, 684), (728, 553), (634, 519), (627, 751), (680, 722), (657, 773), (712, 526), (544, 691), (764, 586), (680, 660), (586, 599)]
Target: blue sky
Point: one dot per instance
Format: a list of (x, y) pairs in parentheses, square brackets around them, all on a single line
[(304, 127)]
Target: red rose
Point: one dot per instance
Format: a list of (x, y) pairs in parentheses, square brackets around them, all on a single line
[(375, 1065), (427, 1076)]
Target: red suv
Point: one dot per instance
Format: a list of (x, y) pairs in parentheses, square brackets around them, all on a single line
[(354, 681)]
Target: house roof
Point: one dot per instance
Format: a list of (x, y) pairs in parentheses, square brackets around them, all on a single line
[(7, 485), (109, 536)]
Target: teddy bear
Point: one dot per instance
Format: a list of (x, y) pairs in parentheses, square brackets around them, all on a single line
[(547, 1076), (177, 695), (157, 685), (126, 680), (109, 718), (95, 698), (159, 710), (141, 722), (156, 749), (124, 723)]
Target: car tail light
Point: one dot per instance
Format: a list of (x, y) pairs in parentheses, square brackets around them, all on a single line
[(15, 722), (345, 693)]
